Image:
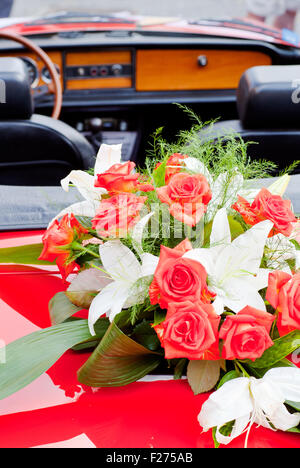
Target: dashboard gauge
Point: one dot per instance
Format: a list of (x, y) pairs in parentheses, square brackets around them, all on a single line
[(46, 74), (33, 72)]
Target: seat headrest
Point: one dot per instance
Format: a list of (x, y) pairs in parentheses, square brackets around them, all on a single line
[(269, 97), (15, 93)]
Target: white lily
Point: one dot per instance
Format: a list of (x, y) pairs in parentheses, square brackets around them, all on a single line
[(126, 288), (196, 166), (249, 400), (108, 155), (233, 268)]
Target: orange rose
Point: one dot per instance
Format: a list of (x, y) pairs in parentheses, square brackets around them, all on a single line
[(268, 206), (246, 335), (178, 279), (187, 197), (284, 295), (119, 178), (57, 242), (117, 215), (174, 165), (190, 331)]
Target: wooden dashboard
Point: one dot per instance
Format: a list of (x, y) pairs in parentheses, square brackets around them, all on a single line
[(169, 70), (147, 70)]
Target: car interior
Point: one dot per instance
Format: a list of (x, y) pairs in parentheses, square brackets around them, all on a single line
[(64, 94)]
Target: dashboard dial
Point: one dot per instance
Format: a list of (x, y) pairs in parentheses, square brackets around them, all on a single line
[(46, 75), (33, 72)]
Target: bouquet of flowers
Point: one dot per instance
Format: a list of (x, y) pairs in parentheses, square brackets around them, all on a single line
[(186, 267)]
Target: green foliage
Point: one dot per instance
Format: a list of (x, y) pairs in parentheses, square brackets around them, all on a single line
[(29, 357), (281, 348), (225, 430), (23, 255), (180, 368), (227, 377), (100, 327), (203, 376), (218, 153), (117, 361), (144, 334)]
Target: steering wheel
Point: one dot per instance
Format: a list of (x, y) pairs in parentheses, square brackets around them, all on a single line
[(54, 87)]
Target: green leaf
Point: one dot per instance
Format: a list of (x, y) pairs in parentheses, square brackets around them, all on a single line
[(236, 228), (179, 369), (282, 347), (203, 375), (294, 404), (159, 175), (216, 443), (144, 334), (159, 316), (117, 361), (227, 377), (294, 430), (259, 373), (225, 430), (295, 243), (23, 255), (61, 308), (100, 327), (29, 357)]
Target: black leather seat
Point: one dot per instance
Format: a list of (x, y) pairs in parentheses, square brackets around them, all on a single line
[(268, 104), (35, 150)]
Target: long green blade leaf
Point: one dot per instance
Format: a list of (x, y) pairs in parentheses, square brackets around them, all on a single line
[(23, 255), (117, 361), (31, 356), (282, 347)]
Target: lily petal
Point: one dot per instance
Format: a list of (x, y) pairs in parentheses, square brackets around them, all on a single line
[(120, 262), (287, 379), (84, 208), (84, 183), (108, 156), (196, 166), (250, 246), (231, 402), (269, 404), (220, 233), (204, 256), (149, 264), (137, 233), (102, 305), (279, 186), (240, 294)]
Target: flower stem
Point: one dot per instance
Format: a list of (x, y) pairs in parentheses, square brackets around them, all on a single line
[(241, 368), (78, 246)]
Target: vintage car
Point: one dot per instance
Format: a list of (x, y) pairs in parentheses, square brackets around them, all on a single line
[(111, 79)]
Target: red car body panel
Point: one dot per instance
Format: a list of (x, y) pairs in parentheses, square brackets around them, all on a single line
[(56, 408), (238, 29)]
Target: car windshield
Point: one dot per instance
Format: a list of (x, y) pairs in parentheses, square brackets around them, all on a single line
[(277, 13)]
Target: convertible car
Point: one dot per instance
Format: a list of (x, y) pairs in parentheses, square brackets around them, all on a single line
[(115, 80), (69, 83)]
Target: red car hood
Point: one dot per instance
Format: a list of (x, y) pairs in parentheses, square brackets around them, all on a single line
[(56, 410), (236, 28)]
